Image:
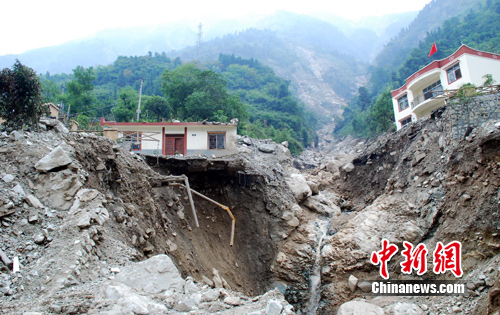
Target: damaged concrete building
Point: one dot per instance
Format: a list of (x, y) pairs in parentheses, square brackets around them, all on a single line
[(172, 138)]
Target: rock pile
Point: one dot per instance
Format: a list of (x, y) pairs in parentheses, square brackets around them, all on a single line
[(73, 226)]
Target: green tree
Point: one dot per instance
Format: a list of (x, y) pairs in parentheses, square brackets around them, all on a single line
[(20, 96), (128, 99), (50, 91), (381, 117), (158, 106), (83, 122), (80, 95), (178, 84), (363, 98), (200, 94)]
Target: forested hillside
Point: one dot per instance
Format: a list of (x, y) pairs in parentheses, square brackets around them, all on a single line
[(430, 18), (273, 111), (230, 87), (370, 112)]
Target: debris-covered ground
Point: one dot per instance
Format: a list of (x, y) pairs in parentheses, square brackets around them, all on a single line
[(93, 232), (420, 185)]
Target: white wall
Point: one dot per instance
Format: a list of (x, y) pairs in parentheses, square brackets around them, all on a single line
[(478, 66), (197, 136), (405, 113), (174, 130), (473, 68)]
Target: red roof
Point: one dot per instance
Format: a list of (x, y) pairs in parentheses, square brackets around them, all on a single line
[(163, 123), (464, 49)]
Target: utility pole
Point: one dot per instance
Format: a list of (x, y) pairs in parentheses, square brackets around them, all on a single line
[(61, 115), (199, 42), (139, 105), (67, 117)]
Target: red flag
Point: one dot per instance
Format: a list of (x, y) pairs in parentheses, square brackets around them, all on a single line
[(433, 50)]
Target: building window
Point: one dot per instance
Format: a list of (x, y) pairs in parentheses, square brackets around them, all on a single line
[(433, 90), (454, 73), (405, 121), (403, 102), (216, 140), (134, 137)]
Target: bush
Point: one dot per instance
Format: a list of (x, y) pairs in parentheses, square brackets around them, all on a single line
[(20, 97)]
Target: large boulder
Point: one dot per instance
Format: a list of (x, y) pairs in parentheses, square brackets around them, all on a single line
[(349, 167), (273, 307), (314, 187), (388, 217), (298, 184), (125, 300), (322, 205), (155, 275), (359, 308), (333, 166), (57, 158), (404, 308), (88, 209), (267, 148), (57, 189), (54, 124)]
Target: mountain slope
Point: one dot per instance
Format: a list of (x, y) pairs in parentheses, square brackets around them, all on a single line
[(324, 67), (370, 34), (104, 48), (322, 63), (429, 19)]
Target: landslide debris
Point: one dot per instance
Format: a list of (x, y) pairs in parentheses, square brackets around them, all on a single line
[(420, 185), (89, 233), (93, 234)]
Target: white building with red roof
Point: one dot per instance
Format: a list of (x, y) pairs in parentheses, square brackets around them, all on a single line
[(425, 90), (171, 138)]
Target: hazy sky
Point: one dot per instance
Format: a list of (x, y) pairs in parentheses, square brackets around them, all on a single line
[(28, 24)]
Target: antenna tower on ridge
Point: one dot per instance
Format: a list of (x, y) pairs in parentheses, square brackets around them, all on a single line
[(199, 41)]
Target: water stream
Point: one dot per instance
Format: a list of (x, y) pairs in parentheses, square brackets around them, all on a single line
[(315, 275)]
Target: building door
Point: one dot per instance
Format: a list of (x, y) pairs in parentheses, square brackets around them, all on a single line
[(179, 145), (174, 144), (169, 146)]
